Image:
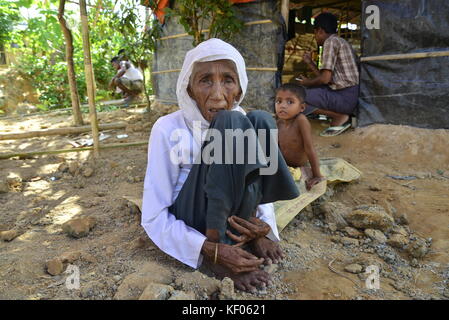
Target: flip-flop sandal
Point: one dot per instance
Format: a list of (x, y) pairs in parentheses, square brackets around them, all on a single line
[(335, 131)]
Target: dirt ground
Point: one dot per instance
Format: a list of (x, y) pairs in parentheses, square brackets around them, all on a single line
[(116, 260)]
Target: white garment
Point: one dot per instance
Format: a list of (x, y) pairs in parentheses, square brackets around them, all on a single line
[(164, 179), (132, 73)]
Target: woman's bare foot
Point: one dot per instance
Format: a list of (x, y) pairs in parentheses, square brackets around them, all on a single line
[(247, 281), (267, 249)]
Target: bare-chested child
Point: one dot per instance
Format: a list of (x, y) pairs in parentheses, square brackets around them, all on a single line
[(295, 137)]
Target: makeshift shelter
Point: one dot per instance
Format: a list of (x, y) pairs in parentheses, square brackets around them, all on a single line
[(404, 75), (403, 63)]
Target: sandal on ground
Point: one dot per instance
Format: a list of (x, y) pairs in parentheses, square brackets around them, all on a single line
[(336, 130)]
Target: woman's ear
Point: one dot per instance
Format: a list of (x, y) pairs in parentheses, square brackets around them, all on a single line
[(237, 97), (189, 91)]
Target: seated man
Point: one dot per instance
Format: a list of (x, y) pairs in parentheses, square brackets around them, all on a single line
[(334, 89), (128, 80), (195, 209)]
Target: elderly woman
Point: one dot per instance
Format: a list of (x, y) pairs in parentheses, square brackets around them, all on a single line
[(195, 209)]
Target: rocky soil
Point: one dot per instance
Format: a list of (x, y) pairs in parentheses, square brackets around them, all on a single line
[(67, 210)]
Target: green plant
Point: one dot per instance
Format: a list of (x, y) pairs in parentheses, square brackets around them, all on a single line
[(41, 52), (9, 16), (218, 15)]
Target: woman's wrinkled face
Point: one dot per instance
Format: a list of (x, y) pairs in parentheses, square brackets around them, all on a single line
[(214, 85)]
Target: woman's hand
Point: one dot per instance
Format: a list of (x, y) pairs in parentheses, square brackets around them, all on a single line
[(249, 229), (235, 259)]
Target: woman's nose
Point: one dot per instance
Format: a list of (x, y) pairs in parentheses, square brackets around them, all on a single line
[(217, 90)]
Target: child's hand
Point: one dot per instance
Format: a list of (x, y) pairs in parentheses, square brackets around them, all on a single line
[(313, 181)]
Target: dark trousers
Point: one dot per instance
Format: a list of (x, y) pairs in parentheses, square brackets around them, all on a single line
[(340, 101), (213, 192)]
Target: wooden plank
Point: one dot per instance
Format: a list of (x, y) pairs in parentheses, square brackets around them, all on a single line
[(59, 131), (287, 210), (47, 152)]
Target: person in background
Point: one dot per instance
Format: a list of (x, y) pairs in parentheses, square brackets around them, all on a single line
[(128, 80), (334, 90)]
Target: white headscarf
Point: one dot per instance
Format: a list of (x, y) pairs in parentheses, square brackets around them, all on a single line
[(210, 50)]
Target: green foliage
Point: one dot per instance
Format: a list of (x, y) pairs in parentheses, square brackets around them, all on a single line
[(9, 16), (218, 15), (41, 53)]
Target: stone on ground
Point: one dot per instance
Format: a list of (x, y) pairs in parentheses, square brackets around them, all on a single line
[(69, 257), (398, 241), (134, 284), (79, 227), (55, 267), (376, 235), (418, 248), (198, 283), (227, 289), (370, 217), (73, 167), (9, 235), (156, 291), (334, 213), (4, 188), (354, 268), (87, 172), (352, 232), (346, 241)]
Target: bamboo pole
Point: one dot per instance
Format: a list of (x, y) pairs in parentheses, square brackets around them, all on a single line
[(46, 152), (285, 11), (59, 131), (417, 55), (181, 35), (247, 69), (90, 82)]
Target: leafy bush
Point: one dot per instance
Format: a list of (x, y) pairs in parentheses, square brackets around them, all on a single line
[(41, 53)]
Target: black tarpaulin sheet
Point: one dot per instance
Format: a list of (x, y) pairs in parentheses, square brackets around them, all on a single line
[(406, 91), (261, 45)]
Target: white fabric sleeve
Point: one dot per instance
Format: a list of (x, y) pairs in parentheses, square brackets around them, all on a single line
[(172, 236), (265, 212)]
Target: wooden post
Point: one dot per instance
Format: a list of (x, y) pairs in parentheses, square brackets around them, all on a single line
[(284, 11), (90, 81), (77, 117)]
